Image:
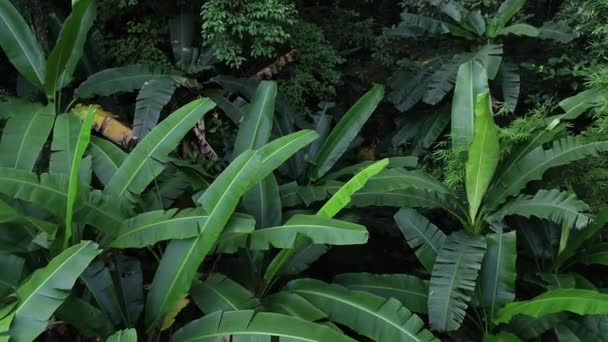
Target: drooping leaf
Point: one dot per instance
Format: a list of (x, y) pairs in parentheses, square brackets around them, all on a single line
[(559, 207), (451, 8), (421, 235), (24, 136), (497, 278), (529, 328), (149, 157), (293, 305), (557, 31), (129, 282), (453, 279), (107, 158), (319, 229), (490, 56), (576, 105), (153, 96), (430, 130), (345, 131), (470, 82), (20, 45), (116, 80), (484, 154), (574, 245), (533, 165), (98, 280), (65, 138), (47, 288), (294, 260), (394, 162), (220, 293), (519, 29), (442, 80), (582, 302), (69, 46), (408, 89), (127, 335), (411, 291), (365, 313), (249, 325)]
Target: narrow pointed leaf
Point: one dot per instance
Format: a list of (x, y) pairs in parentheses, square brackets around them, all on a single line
[(20, 45), (150, 156), (345, 131), (47, 288)]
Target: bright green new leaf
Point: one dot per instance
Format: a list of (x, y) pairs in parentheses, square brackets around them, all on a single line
[(484, 154)]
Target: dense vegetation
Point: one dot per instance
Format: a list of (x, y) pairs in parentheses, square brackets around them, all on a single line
[(295, 170)]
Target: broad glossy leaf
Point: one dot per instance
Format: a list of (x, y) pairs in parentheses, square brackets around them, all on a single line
[(582, 302), (69, 46), (453, 279), (421, 235), (484, 154), (150, 156), (249, 325), (470, 82), (116, 80), (47, 288), (107, 158), (498, 273), (319, 229), (365, 313), (153, 96), (293, 305), (24, 135), (411, 291), (20, 45), (345, 131), (220, 293)]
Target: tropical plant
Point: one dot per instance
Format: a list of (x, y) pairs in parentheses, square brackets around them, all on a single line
[(483, 34)]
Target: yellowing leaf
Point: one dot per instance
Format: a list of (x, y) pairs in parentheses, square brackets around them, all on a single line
[(107, 124), (170, 318)]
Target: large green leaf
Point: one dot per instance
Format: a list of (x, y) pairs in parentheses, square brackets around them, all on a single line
[(582, 302), (263, 200), (20, 45), (316, 227), (65, 138), (533, 165), (73, 180), (152, 97), (490, 56), (129, 282), (24, 135), (47, 288), (484, 153), (394, 162), (107, 158), (98, 280), (453, 280), (431, 129), (294, 305), (574, 245), (597, 254), (470, 82), (150, 156), (86, 318), (408, 89), (497, 279), (345, 131), (151, 227), (510, 84), (249, 325), (411, 291), (116, 80), (506, 11), (11, 267), (519, 29), (442, 80), (220, 293), (451, 8), (50, 192), (557, 31), (182, 257), (576, 105), (294, 261), (559, 207), (343, 196), (365, 313), (421, 235), (69, 46)]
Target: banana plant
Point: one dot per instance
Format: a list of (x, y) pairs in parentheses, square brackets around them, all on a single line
[(483, 33)]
